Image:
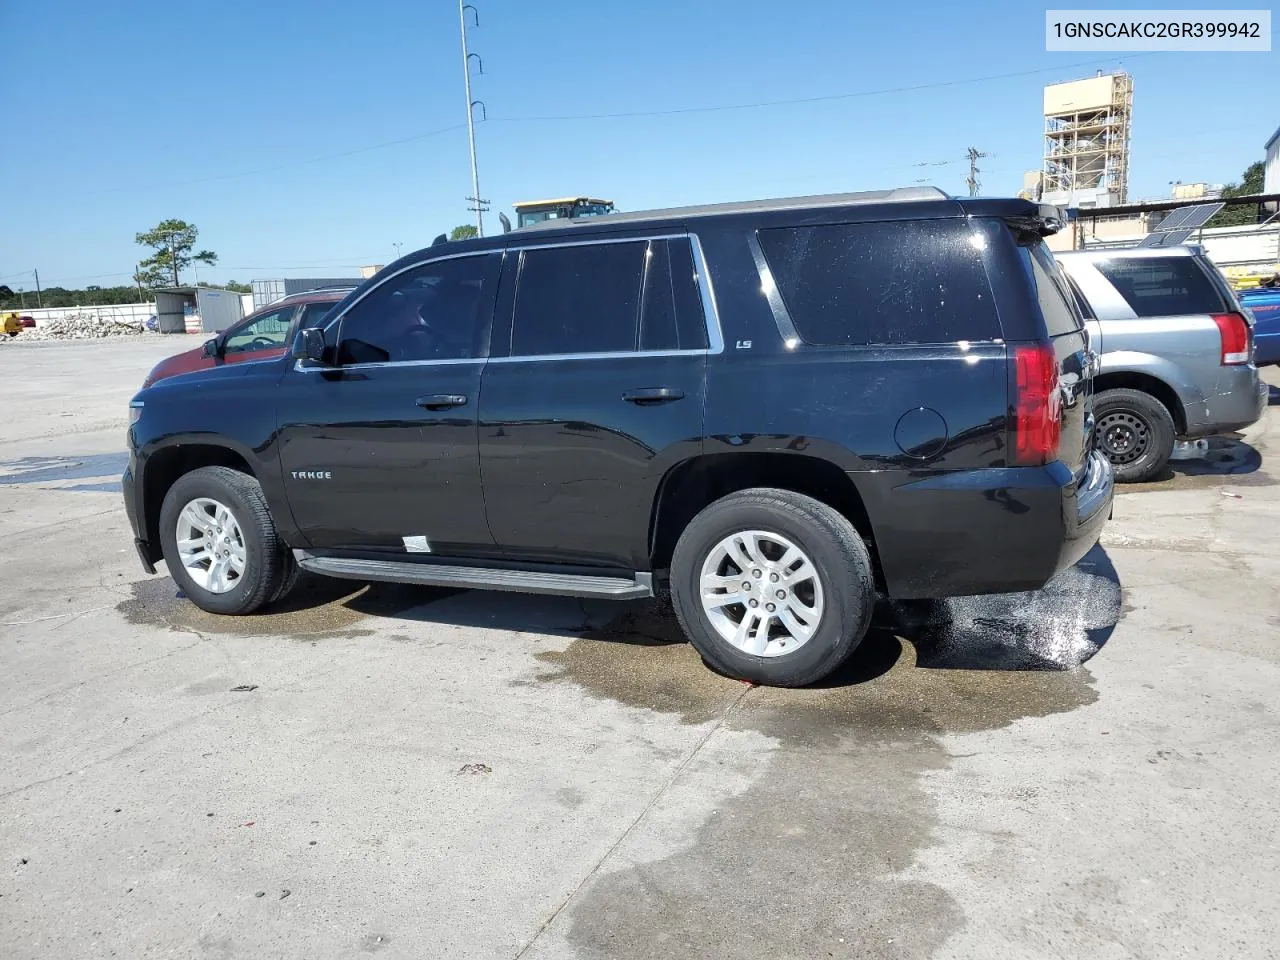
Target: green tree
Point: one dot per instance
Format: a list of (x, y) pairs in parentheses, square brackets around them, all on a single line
[(238, 287), (1244, 213), (465, 231), (173, 241)]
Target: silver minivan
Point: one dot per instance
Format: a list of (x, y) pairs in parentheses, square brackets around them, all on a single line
[(1176, 352)]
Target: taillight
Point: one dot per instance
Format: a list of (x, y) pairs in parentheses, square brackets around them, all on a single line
[(1037, 405), (1233, 330)]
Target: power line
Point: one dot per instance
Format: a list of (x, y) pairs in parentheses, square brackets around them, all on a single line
[(826, 98)]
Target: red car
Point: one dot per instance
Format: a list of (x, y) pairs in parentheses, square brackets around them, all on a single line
[(263, 335)]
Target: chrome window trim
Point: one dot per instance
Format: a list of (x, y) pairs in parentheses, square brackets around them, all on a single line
[(702, 279), (603, 355), (781, 316), (298, 368)]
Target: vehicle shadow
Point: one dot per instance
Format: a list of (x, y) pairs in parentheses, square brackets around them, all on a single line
[(1058, 627), (1273, 395), (1228, 456)]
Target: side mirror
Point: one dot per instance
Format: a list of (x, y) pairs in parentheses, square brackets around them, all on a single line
[(210, 349), (308, 346)]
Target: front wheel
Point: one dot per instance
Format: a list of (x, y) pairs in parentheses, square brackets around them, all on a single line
[(1134, 431), (220, 543), (772, 586)]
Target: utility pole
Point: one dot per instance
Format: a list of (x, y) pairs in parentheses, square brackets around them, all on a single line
[(975, 184), (39, 303), (137, 276), (479, 206)]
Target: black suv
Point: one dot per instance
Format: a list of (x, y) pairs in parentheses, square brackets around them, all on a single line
[(780, 408)]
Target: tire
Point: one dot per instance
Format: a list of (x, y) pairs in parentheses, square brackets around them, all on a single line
[(266, 561), (841, 570), (1134, 431)]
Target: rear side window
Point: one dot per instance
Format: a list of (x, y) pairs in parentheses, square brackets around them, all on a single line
[(1162, 286), (608, 298), (578, 299), (882, 283), (671, 315), (1060, 316)]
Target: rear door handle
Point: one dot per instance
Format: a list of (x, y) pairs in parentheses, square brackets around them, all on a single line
[(653, 395), (442, 401)]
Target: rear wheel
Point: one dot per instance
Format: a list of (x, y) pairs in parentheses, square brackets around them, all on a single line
[(220, 543), (772, 586), (1134, 431)]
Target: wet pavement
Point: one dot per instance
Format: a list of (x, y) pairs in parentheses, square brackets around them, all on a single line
[(1083, 771)]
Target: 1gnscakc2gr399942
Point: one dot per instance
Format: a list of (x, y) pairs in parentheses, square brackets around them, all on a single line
[(779, 408)]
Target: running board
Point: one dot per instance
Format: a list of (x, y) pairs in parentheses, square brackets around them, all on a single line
[(479, 578)]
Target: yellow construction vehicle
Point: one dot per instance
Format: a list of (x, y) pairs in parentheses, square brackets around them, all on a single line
[(535, 211)]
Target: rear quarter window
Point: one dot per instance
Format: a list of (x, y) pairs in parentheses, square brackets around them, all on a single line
[(1162, 286), (1061, 314), (853, 284)]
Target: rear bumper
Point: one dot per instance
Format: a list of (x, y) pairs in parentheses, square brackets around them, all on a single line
[(1240, 400), (998, 530)]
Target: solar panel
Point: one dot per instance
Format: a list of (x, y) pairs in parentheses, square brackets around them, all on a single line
[(1174, 219), (1151, 240), (1174, 237), (1184, 218)]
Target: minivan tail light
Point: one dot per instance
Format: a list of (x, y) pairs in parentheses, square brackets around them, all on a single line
[(1233, 331), (1037, 405)]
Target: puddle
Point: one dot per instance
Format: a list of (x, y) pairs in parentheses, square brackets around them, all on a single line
[(957, 665), (318, 608), (812, 859)]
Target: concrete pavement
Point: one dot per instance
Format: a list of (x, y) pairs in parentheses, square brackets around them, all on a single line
[(1084, 772)]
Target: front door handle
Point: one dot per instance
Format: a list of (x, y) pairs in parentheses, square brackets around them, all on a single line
[(442, 401), (646, 395)]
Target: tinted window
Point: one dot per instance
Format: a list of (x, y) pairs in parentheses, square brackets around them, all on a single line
[(438, 311), (865, 283), (671, 315), (582, 299), (1162, 286), (313, 313), (1086, 309), (267, 332), (1051, 290)]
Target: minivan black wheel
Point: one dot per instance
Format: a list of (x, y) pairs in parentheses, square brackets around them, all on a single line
[(1134, 431), (772, 586), (220, 543)]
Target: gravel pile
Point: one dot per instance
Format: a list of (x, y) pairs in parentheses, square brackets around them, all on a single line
[(80, 326)]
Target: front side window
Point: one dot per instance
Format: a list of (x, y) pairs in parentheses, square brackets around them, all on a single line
[(435, 311), (267, 332), (855, 284), (1162, 286), (578, 299)]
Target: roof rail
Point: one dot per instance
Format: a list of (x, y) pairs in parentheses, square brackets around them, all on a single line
[(896, 195)]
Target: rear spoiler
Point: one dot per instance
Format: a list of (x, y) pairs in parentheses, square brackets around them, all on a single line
[(1024, 216), (1046, 221)]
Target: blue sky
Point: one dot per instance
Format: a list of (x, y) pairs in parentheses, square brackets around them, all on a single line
[(270, 125)]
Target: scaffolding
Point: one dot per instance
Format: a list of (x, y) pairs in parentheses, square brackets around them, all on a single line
[(1086, 141)]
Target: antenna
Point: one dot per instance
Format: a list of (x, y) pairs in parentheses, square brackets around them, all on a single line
[(479, 206)]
